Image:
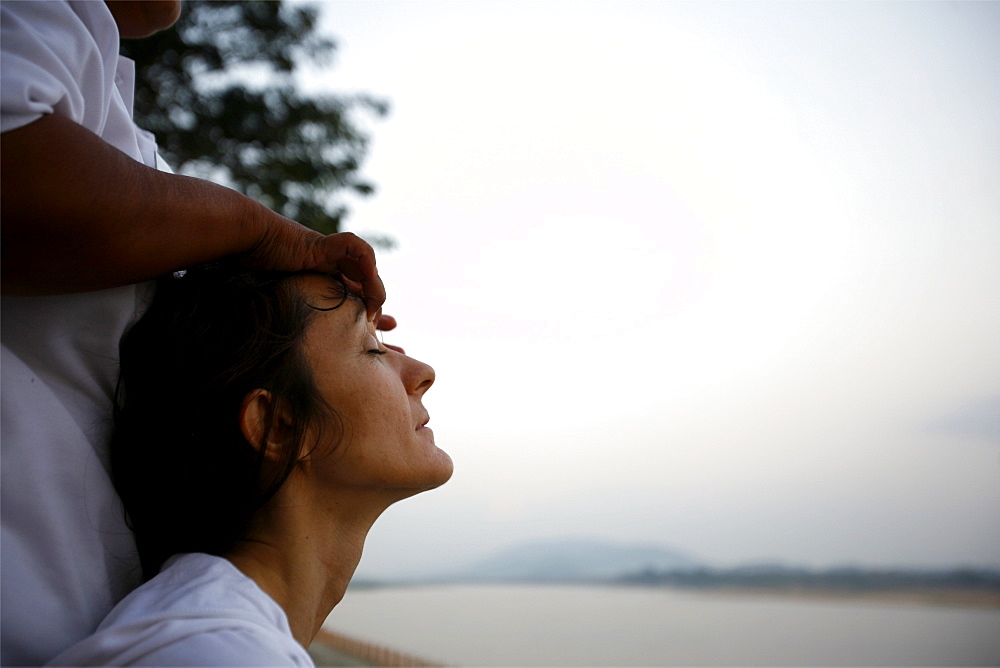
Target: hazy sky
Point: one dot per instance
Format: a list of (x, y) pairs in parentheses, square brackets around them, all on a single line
[(724, 277)]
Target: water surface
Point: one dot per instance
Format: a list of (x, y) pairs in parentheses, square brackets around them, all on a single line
[(622, 626)]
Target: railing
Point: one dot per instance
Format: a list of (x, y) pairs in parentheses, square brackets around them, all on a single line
[(368, 653)]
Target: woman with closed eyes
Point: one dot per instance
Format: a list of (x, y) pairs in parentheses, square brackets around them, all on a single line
[(261, 429)]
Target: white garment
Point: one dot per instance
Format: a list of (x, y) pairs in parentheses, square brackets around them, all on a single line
[(62, 58), (66, 556), (199, 611)]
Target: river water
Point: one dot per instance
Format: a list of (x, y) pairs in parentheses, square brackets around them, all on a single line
[(623, 626)]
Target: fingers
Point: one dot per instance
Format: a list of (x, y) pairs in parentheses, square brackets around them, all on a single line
[(285, 245), (386, 323), (350, 255), (353, 287)]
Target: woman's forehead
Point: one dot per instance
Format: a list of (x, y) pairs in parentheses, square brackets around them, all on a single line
[(324, 292)]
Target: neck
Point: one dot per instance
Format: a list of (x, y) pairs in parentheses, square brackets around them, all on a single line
[(303, 554)]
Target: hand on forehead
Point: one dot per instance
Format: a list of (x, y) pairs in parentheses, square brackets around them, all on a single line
[(332, 291)]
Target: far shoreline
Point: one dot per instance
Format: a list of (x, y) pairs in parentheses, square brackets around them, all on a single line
[(985, 598), (945, 597)]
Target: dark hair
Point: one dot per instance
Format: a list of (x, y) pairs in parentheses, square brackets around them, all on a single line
[(188, 478)]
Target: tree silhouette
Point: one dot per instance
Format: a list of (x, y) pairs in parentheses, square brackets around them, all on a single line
[(218, 92)]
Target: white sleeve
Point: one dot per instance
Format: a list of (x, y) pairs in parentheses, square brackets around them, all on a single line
[(55, 56), (242, 647), (180, 642)]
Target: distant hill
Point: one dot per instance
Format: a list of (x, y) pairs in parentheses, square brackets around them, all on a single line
[(577, 559), (955, 586)]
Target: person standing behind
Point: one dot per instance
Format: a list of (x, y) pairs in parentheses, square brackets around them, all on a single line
[(89, 214)]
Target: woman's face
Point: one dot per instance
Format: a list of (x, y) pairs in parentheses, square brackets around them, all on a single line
[(381, 441)]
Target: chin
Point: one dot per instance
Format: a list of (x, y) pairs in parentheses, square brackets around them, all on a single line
[(437, 473), (440, 472), (440, 464), (447, 468)]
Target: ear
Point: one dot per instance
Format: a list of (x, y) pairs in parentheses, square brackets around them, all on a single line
[(253, 420)]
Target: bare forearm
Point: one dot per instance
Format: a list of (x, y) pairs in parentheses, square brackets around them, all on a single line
[(80, 215)]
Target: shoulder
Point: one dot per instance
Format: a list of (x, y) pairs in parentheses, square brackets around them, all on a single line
[(200, 610), (59, 24), (185, 643), (54, 54)]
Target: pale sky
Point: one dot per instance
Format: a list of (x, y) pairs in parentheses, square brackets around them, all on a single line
[(722, 277)]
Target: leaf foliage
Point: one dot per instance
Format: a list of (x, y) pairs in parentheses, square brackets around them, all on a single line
[(218, 92)]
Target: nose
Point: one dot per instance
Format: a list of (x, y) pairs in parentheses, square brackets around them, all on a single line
[(418, 376)]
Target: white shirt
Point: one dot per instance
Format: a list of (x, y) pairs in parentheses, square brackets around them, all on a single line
[(62, 58), (66, 556), (199, 611)]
